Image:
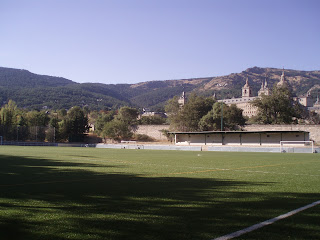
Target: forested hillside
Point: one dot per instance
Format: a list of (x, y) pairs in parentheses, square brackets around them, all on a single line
[(10, 77), (35, 91)]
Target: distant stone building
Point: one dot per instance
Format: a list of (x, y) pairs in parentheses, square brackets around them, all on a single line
[(146, 112), (249, 110), (244, 102), (182, 100)]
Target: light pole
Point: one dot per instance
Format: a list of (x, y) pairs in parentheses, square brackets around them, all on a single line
[(221, 116)]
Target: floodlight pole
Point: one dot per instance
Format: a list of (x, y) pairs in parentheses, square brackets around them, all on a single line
[(221, 116)]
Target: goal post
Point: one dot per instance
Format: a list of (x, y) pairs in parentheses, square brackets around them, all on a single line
[(296, 144)]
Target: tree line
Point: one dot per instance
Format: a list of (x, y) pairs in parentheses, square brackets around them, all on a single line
[(22, 125), (18, 124), (199, 113)]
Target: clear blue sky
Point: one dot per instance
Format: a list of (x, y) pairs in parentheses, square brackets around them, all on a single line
[(131, 41)]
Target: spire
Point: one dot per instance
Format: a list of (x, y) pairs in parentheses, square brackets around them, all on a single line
[(282, 76), (247, 82), (282, 79), (266, 80), (264, 88)]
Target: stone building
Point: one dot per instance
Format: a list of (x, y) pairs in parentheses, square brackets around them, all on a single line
[(244, 102), (249, 110), (146, 112), (247, 97)]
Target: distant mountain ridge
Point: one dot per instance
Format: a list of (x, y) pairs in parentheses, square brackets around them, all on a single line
[(10, 77), (35, 91)]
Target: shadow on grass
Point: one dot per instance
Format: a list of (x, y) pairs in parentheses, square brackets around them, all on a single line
[(39, 201)]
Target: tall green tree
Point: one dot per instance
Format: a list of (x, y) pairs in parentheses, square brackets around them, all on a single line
[(8, 120), (37, 122), (192, 112), (278, 107), (172, 109), (234, 117), (8, 114), (187, 117), (123, 124), (102, 119), (75, 125), (117, 130), (128, 115), (53, 133), (37, 118), (231, 117)]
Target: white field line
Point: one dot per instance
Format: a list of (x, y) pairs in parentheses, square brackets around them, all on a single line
[(279, 173), (265, 223), (264, 172)]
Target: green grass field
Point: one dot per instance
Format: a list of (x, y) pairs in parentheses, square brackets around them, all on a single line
[(86, 193)]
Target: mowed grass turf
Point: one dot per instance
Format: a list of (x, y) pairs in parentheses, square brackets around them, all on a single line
[(86, 193)]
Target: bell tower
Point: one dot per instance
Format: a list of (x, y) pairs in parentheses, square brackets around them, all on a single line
[(182, 99), (246, 89)]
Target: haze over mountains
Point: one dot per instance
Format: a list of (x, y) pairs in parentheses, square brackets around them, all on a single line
[(35, 91)]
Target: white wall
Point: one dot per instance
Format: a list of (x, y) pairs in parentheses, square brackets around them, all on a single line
[(196, 139), (250, 139), (231, 139), (154, 131), (246, 139), (313, 129), (214, 139), (270, 139)]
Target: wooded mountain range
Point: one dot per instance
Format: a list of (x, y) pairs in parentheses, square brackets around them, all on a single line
[(34, 91)]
